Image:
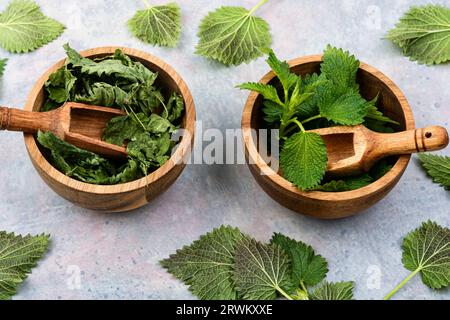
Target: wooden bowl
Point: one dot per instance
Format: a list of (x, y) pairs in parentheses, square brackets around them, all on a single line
[(126, 196), (326, 205)]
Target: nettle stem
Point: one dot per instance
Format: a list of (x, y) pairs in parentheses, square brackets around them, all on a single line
[(401, 284), (312, 118), (147, 3), (284, 294), (302, 285), (257, 7)]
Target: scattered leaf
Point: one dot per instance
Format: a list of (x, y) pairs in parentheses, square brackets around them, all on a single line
[(232, 35), (18, 256), (424, 34), (261, 270), (333, 291), (206, 266), (24, 28), (308, 268), (437, 167), (158, 25)]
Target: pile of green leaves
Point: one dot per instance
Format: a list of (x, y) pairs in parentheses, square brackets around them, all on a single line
[(18, 255), (24, 28), (437, 167), (298, 104), (226, 264), (117, 82), (424, 34)]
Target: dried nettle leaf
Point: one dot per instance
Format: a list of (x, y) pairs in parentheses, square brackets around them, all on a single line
[(118, 82)]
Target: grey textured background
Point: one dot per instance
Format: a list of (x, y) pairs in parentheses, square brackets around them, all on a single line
[(118, 254)]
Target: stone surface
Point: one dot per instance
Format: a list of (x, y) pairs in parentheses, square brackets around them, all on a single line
[(116, 256)]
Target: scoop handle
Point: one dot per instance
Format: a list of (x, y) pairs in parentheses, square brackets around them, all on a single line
[(24, 121), (412, 141)]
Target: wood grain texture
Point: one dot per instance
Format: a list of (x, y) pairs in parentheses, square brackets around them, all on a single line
[(354, 150), (126, 196), (319, 204), (79, 124)]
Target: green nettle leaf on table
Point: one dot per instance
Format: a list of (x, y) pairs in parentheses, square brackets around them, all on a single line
[(308, 268), (302, 103), (261, 270), (233, 35), (423, 33), (18, 256), (24, 28), (426, 251), (333, 291), (206, 266), (157, 25), (226, 264), (437, 167)]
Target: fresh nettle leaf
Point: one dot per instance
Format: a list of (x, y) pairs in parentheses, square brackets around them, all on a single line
[(24, 28), (437, 167), (266, 90), (232, 35), (226, 264), (283, 72), (309, 108), (207, 265), (157, 25), (273, 112), (346, 184), (308, 268), (18, 256), (426, 250), (261, 270), (333, 291), (424, 34), (2, 66), (380, 169), (375, 119), (374, 114), (304, 159), (340, 68), (346, 109)]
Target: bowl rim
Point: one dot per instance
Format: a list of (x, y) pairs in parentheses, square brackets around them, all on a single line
[(252, 152), (183, 148)]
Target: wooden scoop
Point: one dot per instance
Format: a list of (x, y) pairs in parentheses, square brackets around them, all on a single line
[(353, 150), (76, 123)]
